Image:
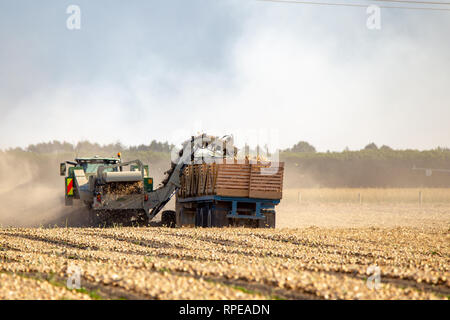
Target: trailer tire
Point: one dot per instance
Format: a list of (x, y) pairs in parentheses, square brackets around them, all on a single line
[(269, 222), (168, 218)]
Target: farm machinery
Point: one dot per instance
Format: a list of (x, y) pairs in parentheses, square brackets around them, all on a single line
[(111, 189), (211, 188)]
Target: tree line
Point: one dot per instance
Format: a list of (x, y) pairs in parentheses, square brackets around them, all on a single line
[(88, 147), (371, 166), (55, 146)]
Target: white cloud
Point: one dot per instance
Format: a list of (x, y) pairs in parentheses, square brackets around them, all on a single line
[(311, 74)]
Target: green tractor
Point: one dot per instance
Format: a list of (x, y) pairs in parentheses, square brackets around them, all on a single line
[(112, 190)]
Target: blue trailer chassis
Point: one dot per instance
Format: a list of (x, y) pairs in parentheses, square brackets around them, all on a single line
[(267, 205)]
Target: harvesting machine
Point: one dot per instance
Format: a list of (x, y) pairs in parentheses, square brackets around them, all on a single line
[(227, 193)]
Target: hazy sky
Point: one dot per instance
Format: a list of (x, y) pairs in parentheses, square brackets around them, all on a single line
[(143, 70)]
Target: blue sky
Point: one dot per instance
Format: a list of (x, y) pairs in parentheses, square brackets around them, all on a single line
[(143, 70)]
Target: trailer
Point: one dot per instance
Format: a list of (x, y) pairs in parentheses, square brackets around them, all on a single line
[(233, 193)]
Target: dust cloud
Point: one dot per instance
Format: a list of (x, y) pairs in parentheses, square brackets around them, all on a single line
[(31, 196), (32, 191)]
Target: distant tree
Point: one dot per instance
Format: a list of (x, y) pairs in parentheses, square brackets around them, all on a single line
[(303, 146), (166, 147), (386, 148), (371, 146), (143, 147), (118, 146), (67, 147), (50, 147), (87, 147), (154, 146)]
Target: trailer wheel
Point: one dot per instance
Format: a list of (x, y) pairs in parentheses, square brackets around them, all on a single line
[(209, 217), (204, 213), (168, 218), (269, 222)]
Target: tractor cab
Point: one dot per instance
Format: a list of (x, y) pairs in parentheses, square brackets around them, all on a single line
[(90, 165)]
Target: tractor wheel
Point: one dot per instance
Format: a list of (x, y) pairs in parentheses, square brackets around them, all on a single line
[(168, 218), (143, 218), (93, 218), (68, 201)]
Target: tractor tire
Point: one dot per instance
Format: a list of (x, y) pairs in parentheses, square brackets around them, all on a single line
[(93, 218), (68, 201), (168, 218)]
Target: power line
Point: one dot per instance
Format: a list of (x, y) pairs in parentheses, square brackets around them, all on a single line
[(353, 4), (415, 2)]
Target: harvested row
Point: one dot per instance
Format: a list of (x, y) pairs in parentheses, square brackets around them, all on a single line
[(162, 263), (17, 287)]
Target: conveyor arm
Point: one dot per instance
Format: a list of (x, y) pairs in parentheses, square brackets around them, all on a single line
[(158, 198)]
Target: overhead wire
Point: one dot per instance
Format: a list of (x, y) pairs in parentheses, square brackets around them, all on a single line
[(326, 3)]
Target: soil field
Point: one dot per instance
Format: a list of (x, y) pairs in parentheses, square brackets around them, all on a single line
[(163, 263), (352, 215), (365, 207), (319, 250)]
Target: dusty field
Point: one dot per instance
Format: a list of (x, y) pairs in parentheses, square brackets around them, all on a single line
[(367, 195), (352, 215), (321, 249), (162, 263), (377, 208)]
